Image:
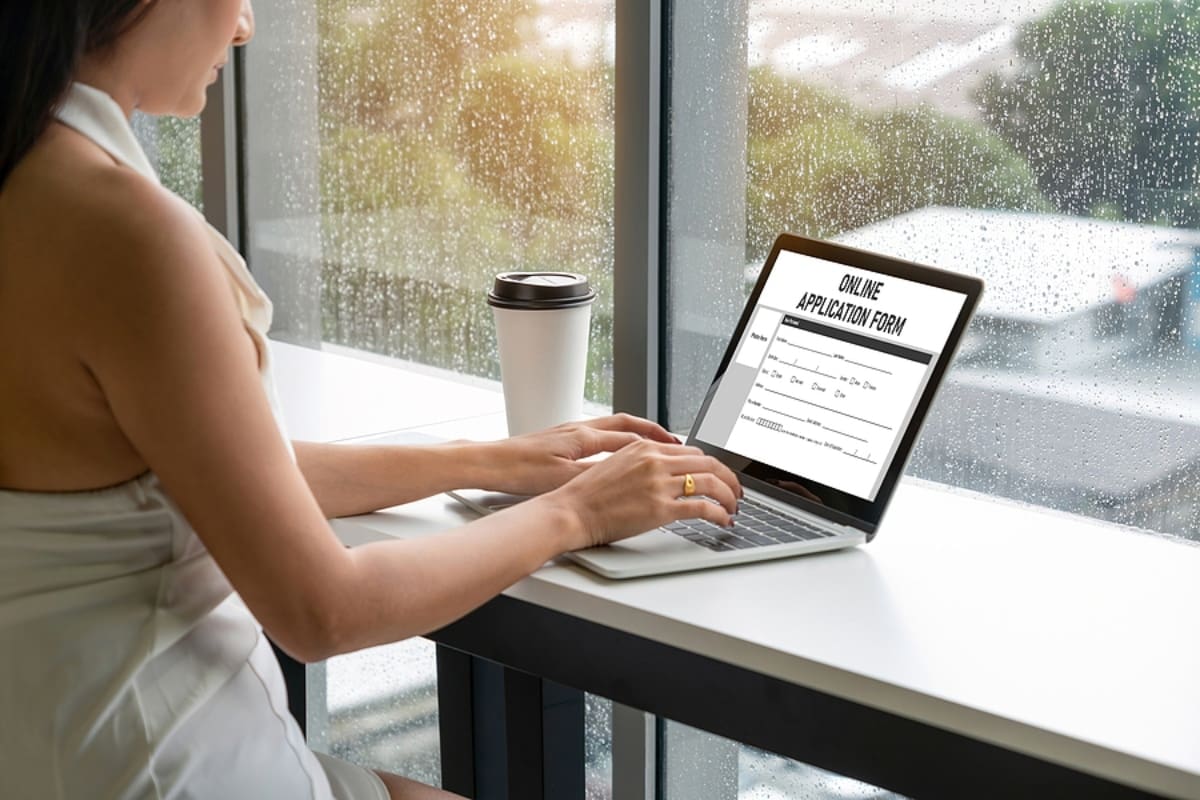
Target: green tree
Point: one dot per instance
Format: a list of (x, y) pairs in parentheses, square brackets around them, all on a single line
[(387, 64), (451, 150), (417, 95), (1104, 102), (819, 166), (534, 134), (393, 73), (819, 179), (930, 159), (811, 168), (175, 145), (775, 105)]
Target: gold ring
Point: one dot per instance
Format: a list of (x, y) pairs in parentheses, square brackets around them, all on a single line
[(689, 485)]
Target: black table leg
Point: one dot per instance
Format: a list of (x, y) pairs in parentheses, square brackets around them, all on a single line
[(294, 680), (506, 734)]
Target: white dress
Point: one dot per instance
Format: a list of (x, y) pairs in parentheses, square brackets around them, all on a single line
[(128, 667)]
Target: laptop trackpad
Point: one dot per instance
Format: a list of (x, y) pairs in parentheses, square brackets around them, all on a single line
[(649, 553), (656, 541)]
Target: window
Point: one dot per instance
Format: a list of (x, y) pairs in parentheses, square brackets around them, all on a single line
[(378, 708), (699, 764), (1051, 148), (399, 154), (429, 147), (173, 147)]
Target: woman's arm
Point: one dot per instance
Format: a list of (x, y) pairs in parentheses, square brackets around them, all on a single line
[(355, 479), (351, 479), (158, 328)]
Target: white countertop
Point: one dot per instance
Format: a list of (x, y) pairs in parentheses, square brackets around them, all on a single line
[(328, 397), (1072, 640)]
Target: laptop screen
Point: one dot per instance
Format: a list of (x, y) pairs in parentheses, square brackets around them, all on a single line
[(832, 360)]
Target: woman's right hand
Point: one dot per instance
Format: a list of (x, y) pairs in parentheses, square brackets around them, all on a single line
[(641, 486)]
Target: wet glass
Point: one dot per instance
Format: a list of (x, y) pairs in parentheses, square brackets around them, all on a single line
[(699, 764), (379, 708), (399, 154), (1051, 148), (404, 152), (173, 147)]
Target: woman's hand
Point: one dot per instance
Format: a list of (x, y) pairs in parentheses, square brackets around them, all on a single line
[(642, 486), (540, 462)]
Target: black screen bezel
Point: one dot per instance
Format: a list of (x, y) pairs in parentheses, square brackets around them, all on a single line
[(835, 504)]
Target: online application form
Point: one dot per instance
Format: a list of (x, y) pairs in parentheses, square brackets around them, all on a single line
[(829, 370)]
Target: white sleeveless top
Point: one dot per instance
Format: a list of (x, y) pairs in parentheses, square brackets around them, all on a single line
[(128, 667)]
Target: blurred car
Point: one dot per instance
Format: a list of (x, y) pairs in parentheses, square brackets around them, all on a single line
[(1062, 293)]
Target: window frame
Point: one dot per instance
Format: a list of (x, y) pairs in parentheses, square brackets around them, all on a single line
[(223, 178), (639, 213)]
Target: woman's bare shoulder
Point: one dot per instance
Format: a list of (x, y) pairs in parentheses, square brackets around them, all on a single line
[(67, 183), (106, 271), (85, 220), (109, 258)]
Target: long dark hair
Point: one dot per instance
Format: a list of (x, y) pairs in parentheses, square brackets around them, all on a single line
[(41, 43)]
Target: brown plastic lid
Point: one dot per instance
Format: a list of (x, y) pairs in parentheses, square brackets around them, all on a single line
[(540, 290)]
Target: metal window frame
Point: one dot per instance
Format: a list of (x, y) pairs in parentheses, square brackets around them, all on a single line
[(639, 220), (221, 165), (638, 215)]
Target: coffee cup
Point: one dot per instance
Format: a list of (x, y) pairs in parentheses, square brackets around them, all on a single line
[(542, 323)]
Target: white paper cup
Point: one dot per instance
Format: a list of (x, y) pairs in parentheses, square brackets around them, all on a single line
[(542, 323)]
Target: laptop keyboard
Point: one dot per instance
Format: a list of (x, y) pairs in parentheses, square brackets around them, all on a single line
[(757, 525)]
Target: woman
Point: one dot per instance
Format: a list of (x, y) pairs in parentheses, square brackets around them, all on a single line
[(152, 514)]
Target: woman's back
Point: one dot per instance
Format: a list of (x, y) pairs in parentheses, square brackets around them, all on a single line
[(60, 217)]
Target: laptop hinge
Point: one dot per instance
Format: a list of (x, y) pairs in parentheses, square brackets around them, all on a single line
[(798, 509)]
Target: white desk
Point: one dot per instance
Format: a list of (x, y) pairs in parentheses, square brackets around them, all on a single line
[(1014, 629)]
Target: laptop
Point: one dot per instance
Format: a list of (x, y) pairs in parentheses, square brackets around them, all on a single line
[(816, 406)]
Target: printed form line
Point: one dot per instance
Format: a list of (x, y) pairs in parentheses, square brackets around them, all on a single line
[(814, 371), (828, 355), (843, 433), (802, 347), (868, 366), (826, 408), (824, 427)]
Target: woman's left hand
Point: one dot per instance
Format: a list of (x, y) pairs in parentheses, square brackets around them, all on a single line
[(540, 462)]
